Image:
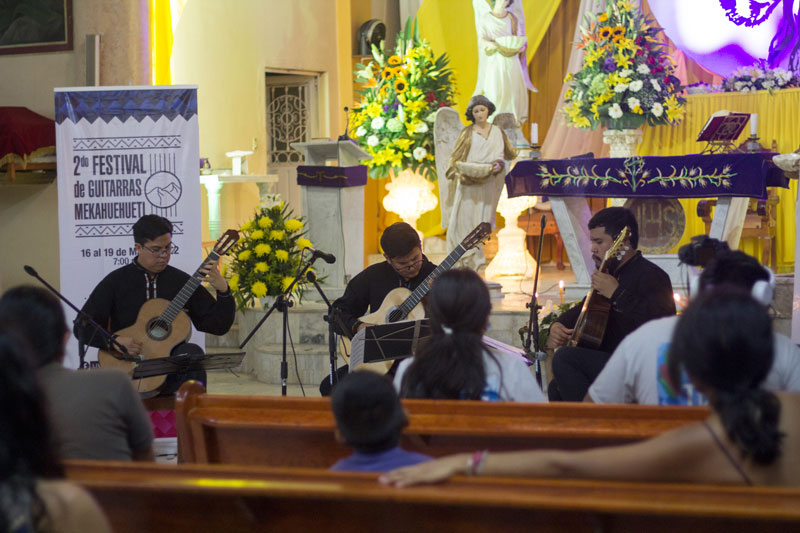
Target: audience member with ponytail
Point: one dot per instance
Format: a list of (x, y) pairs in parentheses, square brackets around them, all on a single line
[(454, 363), (724, 344), (32, 497)]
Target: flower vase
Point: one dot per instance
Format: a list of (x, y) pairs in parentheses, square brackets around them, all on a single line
[(623, 136), (622, 143)]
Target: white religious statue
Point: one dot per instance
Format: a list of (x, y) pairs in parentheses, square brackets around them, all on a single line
[(502, 67), (471, 164)]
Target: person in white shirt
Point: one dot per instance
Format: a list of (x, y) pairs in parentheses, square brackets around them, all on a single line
[(455, 363), (637, 370)]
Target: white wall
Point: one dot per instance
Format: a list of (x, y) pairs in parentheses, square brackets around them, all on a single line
[(28, 214)]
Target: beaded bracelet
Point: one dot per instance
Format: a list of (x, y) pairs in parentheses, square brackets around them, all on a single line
[(475, 463)]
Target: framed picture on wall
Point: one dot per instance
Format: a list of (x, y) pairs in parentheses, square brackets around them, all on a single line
[(35, 26)]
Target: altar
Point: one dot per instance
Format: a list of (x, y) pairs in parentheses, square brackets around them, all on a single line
[(732, 178)]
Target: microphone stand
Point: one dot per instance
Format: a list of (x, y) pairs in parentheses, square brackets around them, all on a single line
[(532, 328), (83, 316), (282, 304), (330, 318)]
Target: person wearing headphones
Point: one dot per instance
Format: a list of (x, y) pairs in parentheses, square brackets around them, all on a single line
[(637, 370)]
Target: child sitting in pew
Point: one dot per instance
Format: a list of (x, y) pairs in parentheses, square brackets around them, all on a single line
[(370, 418)]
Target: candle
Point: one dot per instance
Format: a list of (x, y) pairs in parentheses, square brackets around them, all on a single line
[(534, 133), (561, 290), (753, 124), (679, 301)]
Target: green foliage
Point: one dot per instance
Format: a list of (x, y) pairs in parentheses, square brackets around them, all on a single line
[(268, 254), (627, 79), (402, 91)]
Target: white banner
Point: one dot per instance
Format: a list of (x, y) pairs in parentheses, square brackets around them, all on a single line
[(123, 152)]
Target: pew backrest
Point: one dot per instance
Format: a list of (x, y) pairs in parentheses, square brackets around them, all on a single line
[(148, 497), (299, 432)]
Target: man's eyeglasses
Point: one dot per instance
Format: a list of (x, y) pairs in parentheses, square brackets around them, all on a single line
[(159, 251), (406, 266)]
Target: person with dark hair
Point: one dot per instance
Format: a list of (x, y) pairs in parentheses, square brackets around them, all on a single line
[(405, 266), (475, 174), (637, 369), (33, 495), (637, 291), (96, 414), (115, 302), (370, 418), (454, 363), (752, 437)]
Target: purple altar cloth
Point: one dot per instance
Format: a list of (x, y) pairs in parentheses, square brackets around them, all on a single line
[(323, 176), (688, 176)]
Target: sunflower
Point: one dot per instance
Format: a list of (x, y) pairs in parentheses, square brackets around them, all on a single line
[(394, 60), (603, 17), (388, 72), (605, 33), (618, 31), (400, 85), (399, 71)]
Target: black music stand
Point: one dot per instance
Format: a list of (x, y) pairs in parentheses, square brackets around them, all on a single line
[(388, 342), (183, 363)]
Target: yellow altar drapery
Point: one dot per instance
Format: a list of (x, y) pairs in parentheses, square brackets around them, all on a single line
[(778, 120)]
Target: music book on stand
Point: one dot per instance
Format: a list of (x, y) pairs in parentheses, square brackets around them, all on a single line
[(169, 365), (723, 126), (387, 342)]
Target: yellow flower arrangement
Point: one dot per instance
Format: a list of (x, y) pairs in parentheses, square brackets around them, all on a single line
[(293, 225), (404, 88), (260, 269), (627, 78), (262, 249)]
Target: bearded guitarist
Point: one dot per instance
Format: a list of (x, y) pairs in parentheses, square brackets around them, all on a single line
[(635, 291), (405, 266), (117, 299)]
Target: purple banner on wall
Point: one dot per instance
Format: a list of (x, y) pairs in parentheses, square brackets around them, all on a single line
[(323, 176), (690, 176)]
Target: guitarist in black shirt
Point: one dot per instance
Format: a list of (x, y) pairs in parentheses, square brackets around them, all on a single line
[(637, 291), (405, 266), (115, 302)]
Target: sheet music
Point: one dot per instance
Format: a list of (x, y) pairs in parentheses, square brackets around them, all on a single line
[(357, 349)]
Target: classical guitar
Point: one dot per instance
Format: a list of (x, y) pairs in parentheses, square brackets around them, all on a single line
[(591, 325), (163, 324), (402, 304)]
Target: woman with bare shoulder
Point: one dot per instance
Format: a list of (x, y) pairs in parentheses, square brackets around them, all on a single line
[(723, 342), (32, 495)]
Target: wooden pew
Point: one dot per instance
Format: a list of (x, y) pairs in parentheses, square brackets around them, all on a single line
[(299, 432), (146, 497)]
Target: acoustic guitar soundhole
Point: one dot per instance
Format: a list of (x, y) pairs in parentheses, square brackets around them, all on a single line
[(158, 329), (394, 315)]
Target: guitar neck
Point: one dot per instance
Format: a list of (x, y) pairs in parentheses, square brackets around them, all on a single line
[(422, 289), (179, 302)]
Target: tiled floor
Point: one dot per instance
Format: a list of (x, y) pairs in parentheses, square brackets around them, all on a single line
[(225, 382)]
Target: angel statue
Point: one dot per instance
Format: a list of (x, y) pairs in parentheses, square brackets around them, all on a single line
[(502, 69), (471, 164)]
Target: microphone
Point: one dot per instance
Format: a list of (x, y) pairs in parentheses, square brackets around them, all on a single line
[(345, 136), (31, 271), (319, 254), (310, 276), (543, 222)]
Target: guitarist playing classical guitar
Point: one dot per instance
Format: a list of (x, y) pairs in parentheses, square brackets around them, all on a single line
[(117, 299), (405, 266), (630, 290)]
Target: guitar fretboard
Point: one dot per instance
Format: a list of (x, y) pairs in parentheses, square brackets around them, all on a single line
[(179, 302), (422, 289)]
